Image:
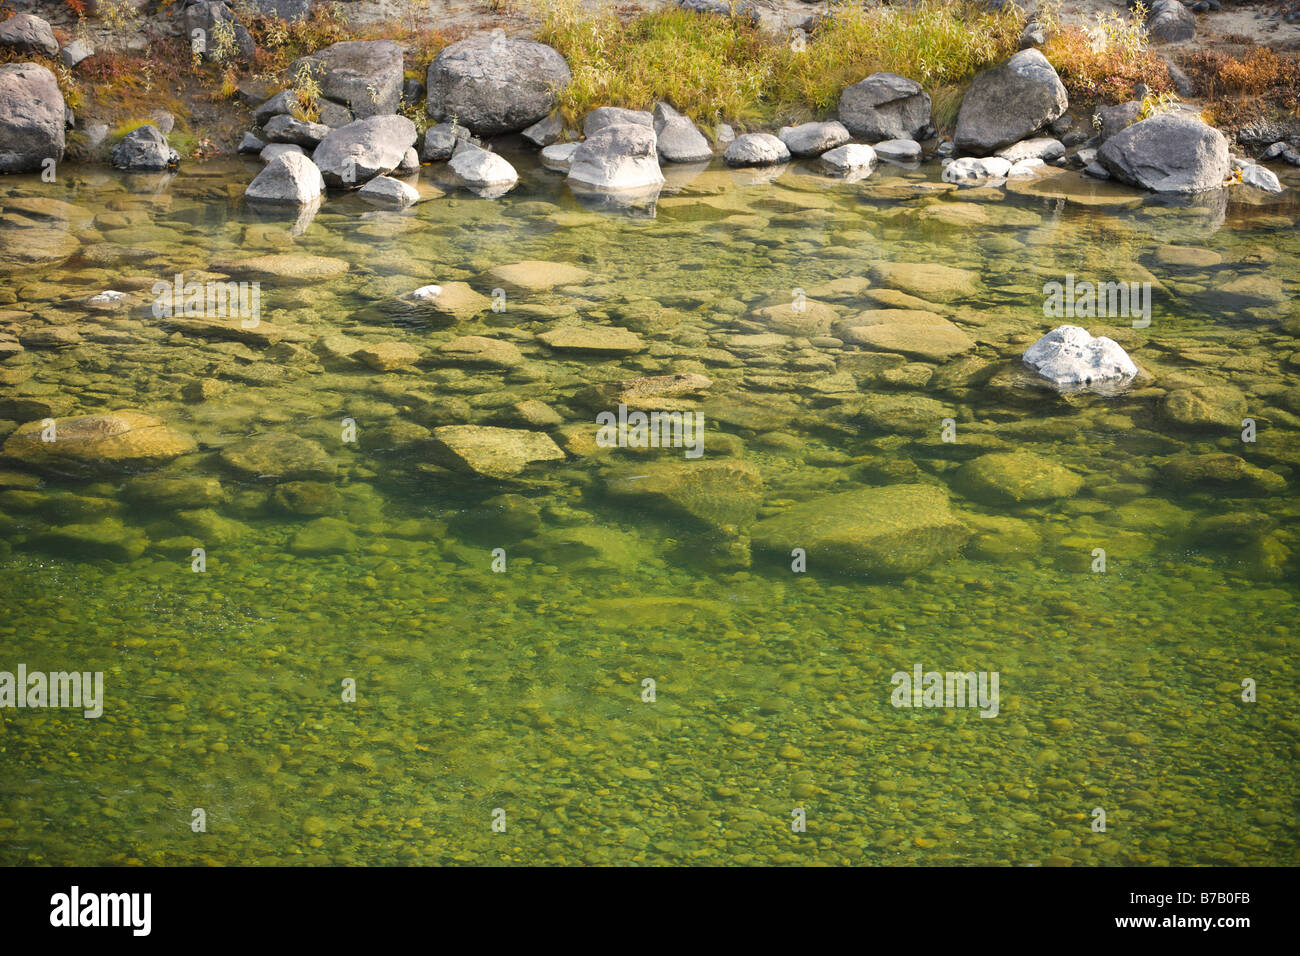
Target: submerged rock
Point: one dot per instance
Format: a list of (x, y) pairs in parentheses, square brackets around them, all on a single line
[(1214, 407), (897, 529), (494, 452), (1070, 355), (1012, 478), (719, 494), (108, 443), (534, 275), (595, 338), (279, 455)]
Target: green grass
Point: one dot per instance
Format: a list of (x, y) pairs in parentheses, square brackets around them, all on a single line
[(714, 68)]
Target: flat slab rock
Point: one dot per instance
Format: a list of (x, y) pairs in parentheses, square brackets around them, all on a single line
[(573, 338), (109, 443), (494, 452)]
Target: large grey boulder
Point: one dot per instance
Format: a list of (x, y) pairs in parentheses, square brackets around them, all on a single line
[(813, 139), (679, 141), (1168, 153), (212, 20), (1070, 356), (364, 75), (1170, 22), (145, 148), (354, 154), (494, 84), (1114, 119), (756, 149), (289, 11), (288, 178), (885, 106), (28, 34), (1008, 103), (31, 117), (618, 157)]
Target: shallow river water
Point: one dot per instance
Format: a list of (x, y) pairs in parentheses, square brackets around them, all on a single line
[(1127, 567)]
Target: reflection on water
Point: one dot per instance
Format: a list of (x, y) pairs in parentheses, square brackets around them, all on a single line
[(523, 689)]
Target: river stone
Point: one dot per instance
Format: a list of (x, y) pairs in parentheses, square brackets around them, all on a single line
[(1012, 478), (535, 275), (324, 535), (618, 157), (480, 169), (756, 149), (1008, 103), (288, 178), (931, 281), (904, 414), (1045, 148), (1070, 355), (723, 494), (28, 34), (31, 118), (173, 492), (894, 530), (495, 84), (482, 350), (545, 131), (1170, 22), (1168, 153), (272, 150), (813, 139), (108, 443), (1207, 407), (807, 317), (364, 75), (306, 498), (144, 148), (558, 156), (386, 191), (388, 356), (603, 116), (287, 267), (455, 300), (440, 142), (107, 538), (650, 393), (279, 455), (358, 152), (1261, 178), (849, 159), (603, 339), (287, 129), (971, 169), (1219, 470), (678, 140), (934, 341), (494, 452), (885, 106)]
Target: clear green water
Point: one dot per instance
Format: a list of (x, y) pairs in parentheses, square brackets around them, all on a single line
[(523, 690)]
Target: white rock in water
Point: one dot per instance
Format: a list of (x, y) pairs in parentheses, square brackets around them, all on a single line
[(1069, 355), (970, 169), (559, 156), (106, 298), (1261, 178), (847, 159), (426, 292)]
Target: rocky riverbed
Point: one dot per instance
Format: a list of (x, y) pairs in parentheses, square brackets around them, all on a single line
[(258, 446)]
